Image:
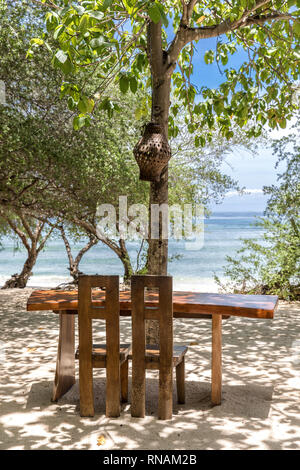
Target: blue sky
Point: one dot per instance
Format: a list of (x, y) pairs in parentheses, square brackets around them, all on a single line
[(252, 172)]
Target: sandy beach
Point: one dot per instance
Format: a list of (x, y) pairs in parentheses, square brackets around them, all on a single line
[(261, 385)]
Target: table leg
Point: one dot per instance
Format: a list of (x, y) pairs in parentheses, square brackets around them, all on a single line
[(216, 369), (65, 363)]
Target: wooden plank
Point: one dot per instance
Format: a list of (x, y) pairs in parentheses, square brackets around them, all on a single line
[(252, 306), (85, 348), (165, 394), (185, 304), (65, 363), (138, 390), (216, 368), (113, 377), (191, 316)]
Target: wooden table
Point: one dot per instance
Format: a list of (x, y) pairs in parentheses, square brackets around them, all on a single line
[(185, 305)]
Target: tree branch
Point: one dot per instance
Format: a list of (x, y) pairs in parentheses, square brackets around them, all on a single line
[(17, 231), (186, 34), (50, 4), (67, 245), (26, 226), (44, 240), (93, 241)]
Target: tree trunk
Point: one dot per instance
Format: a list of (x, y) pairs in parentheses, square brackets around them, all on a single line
[(119, 248), (157, 262), (32, 241), (157, 259), (74, 263), (20, 280), (124, 257)]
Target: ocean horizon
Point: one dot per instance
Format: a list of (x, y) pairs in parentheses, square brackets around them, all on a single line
[(194, 270)]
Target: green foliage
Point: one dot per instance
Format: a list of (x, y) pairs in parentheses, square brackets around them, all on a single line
[(109, 40), (62, 155), (272, 265), (43, 160)]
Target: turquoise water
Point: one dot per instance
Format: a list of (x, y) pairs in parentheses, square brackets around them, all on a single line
[(194, 270)]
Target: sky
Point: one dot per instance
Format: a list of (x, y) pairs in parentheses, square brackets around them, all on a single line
[(252, 172)]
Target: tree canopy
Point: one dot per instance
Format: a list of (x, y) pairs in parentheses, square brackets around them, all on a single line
[(50, 171), (110, 40), (152, 45)]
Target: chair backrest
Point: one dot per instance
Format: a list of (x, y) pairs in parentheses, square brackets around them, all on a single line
[(110, 312), (164, 314)]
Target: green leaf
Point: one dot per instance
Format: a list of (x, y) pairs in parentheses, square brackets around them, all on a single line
[(52, 20), (218, 106), (37, 41), (98, 15), (97, 42), (86, 105), (224, 59), (58, 31), (62, 61), (84, 23), (106, 4), (163, 15), (296, 28), (209, 57), (199, 141), (71, 104), (80, 121), (282, 123), (79, 9), (133, 84), (124, 83), (67, 67), (140, 61), (154, 13)]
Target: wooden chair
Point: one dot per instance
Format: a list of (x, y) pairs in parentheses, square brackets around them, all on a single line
[(164, 356), (112, 355)]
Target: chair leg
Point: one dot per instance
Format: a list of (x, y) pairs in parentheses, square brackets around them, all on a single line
[(180, 382), (86, 391), (138, 389), (124, 382), (216, 368), (165, 393)]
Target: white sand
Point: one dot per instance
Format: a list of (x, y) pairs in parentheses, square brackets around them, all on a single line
[(260, 408)]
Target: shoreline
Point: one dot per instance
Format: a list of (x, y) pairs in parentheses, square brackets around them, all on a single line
[(180, 284)]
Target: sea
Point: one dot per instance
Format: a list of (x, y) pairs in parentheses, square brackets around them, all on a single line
[(193, 266)]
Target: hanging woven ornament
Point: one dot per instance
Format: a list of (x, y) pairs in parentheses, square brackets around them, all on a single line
[(152, 152)]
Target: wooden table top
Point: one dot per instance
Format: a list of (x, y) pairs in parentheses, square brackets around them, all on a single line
[(185, 304)]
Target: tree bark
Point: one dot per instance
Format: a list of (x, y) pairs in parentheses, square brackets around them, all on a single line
[(119, 248), (74, 263), (31, 239), (157, 259), (124, 257), (20, 280), (157, 262)]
